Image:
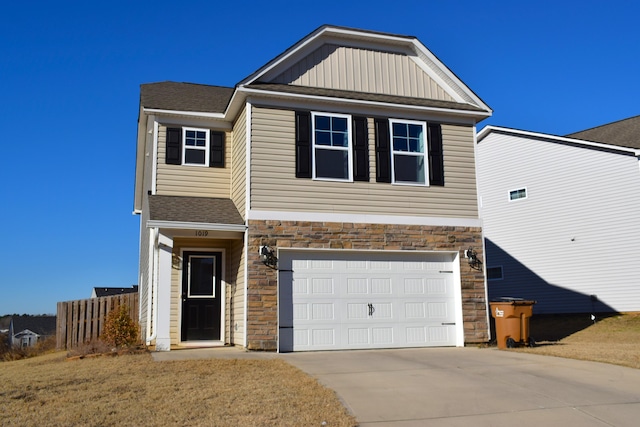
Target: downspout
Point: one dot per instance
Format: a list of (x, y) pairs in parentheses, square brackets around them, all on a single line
[(152, 297)]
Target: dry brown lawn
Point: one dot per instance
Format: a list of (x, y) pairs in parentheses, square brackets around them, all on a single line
[(133, 390), (613, 340)]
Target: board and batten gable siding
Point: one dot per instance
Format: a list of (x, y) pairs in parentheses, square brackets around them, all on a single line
[(575, 233), (239, 163), (192, 181), (274, 186), (363, 70)]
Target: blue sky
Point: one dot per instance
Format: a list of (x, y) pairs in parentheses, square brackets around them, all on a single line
[(69, 91)]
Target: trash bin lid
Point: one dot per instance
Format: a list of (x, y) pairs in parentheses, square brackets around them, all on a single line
[(514, 301)]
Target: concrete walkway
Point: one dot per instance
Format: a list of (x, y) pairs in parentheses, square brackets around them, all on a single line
[(469, 387)]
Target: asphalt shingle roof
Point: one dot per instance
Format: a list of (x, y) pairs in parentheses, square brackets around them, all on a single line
[(193, 209), (105, 292), (623, 133), (185, 97), (41, 325)]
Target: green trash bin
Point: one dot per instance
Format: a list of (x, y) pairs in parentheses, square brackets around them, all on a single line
[(512, 321)]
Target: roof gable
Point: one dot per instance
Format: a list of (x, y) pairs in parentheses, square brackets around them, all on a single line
[(364, 61), (356, 69), (41, 325)]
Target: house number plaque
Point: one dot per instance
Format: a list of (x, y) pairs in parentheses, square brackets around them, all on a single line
[(202, 233)]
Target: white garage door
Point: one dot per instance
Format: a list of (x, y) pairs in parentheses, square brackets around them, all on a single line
[(359, 300)]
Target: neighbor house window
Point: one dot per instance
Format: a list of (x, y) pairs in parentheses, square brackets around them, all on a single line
[(518, 194), (331, 147), (196, 146), (408, 152), (494, 273)]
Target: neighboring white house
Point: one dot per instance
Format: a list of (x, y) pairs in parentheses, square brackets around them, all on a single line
[(561, 216)]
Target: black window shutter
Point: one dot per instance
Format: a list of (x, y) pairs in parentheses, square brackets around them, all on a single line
[(436, 157), (383, 151), (303, 144), (360, 149), (216, 149), (173, 154)]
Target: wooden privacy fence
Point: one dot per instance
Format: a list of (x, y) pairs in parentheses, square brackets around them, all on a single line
[(81, 321)]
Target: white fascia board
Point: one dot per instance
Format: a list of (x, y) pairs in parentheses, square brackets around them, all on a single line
[(196, 226), (476, 114), (419, 47), (487, 130), (362, 218), (185, 113)]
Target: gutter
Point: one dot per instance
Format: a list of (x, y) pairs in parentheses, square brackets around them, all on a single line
[(466, 113), (195, 225)]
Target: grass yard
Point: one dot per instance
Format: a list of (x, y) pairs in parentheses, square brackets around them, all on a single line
[(133, 390), (614, 339)]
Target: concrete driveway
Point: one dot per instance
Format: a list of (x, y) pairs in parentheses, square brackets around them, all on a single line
[(475, 387)]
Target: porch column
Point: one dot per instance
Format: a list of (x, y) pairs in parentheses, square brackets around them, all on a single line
[(163, 337)]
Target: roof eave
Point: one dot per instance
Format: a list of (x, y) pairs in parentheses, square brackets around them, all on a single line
[(239, 228), (480, 115), (487, 130)]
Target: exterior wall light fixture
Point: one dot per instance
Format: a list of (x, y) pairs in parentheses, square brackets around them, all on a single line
[(267, 257), (472, 256)]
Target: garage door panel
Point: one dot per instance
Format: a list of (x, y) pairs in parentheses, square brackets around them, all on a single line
[(369, 300)]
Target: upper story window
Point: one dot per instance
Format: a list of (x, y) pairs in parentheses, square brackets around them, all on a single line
[(408, 152), (332, 146), (196, 147), (520, 193)]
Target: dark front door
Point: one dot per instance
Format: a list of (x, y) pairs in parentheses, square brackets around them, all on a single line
[(201, 296)]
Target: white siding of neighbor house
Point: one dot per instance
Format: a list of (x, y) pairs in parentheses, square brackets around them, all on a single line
[(239, 162), (275, 187), (363, 70), (193, 181), (577, 230)]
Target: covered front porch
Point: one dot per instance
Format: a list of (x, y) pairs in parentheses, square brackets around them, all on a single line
[(198, 288)]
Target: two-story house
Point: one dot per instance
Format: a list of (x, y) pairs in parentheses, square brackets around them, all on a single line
[(327, 201), (560, 216)]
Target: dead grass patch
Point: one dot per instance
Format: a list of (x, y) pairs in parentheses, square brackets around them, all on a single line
[(615, 340), (134, 390)]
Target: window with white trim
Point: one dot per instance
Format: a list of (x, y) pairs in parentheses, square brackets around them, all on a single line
[(195, 147), (332, 147), (408, 152), (520, 193)]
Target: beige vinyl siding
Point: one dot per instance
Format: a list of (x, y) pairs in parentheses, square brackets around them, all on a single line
[(235, 298), (143, 272), (275, 187), (360, 70), (229, 278), (239, 163), (194, 181)]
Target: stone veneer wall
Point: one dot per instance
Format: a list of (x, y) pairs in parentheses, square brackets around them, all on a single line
[(262, 315)]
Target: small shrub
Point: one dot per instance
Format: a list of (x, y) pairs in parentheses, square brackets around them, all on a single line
[(119, 329)]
